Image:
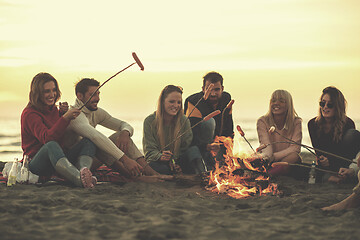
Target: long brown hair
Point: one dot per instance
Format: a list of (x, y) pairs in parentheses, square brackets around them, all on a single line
[(291, 114), (37, 90), (175, 124), (339, 101)]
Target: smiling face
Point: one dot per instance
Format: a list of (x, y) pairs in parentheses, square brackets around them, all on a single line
[(92, 104), (278, 106), (326, 111), (172, 104), (49, 94)]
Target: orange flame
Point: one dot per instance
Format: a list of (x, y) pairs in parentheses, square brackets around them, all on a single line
[(225, 177)]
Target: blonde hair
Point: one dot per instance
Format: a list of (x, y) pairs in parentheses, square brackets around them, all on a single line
[(37, 90), (339, 101), (291, 114), (175, 124)]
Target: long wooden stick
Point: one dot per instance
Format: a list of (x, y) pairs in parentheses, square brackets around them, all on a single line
[(205, 96), (301, 165), (305, 146), (243, 135), (273, 129), (211, 115), (228, 106), (137, 61), (103, 85)]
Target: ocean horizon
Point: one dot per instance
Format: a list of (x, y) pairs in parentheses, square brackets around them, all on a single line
[(10, 138)]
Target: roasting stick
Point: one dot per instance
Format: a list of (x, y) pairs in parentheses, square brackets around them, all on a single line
[(301, 165), (273, 129), (137, 61), (228, 106), (308, 147), (243, 135), (208, 117), (205, 96)]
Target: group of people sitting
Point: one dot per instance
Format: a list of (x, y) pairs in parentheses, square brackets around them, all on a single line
[(64, 139)]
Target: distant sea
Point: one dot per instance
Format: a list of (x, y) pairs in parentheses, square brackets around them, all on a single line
[(10, 139)]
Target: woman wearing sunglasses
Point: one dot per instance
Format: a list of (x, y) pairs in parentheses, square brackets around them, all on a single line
[(332, 131)]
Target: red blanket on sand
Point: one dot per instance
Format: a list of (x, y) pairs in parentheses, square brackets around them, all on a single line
[(103, 174)]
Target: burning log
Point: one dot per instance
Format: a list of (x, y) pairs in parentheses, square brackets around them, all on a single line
[(240, 176)]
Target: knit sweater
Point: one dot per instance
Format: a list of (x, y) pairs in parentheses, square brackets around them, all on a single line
[(84, 126), (279, 150), (151, 142), (40, 127)]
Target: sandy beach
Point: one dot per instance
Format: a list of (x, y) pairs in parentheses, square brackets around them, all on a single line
[(173, 210)]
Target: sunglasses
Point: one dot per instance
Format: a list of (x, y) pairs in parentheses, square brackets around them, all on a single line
[(329, 105)]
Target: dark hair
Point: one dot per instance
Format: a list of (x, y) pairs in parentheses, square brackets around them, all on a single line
[(213, 77), (37, 89), (83, 85), (339, 101)]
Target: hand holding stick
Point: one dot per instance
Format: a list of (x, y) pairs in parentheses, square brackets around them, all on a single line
[(137, 61), (208, 117), (262, 146)]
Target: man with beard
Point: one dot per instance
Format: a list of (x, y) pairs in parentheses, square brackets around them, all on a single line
[(118, 151), (220, 125)]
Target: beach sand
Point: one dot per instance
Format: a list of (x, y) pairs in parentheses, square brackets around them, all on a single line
[(172, 210)]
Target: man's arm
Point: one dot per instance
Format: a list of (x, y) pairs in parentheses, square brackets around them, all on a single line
[(82, 127), (110, 122)]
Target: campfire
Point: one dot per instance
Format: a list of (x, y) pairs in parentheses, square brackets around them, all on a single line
[(240, 174)]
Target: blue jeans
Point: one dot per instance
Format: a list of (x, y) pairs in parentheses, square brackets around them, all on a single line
[(204, 136), (45, 159)]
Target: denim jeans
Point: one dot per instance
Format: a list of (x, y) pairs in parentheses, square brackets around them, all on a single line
[(205, 136), (45, 159)]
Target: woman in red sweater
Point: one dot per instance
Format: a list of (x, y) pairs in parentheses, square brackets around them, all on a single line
[(42, 128)]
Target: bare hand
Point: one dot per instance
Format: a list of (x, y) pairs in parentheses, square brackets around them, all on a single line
[(123, 141), (166, 156), (72, 114), (323, 161), (346, 172), (132, 166), (63, 107)]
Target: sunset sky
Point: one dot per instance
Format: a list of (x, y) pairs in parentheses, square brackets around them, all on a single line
[(258, 46)]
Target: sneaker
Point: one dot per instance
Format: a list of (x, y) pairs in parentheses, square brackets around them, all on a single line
[(86, 178)]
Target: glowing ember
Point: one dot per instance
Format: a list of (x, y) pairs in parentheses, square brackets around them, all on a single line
[(240, 175)]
